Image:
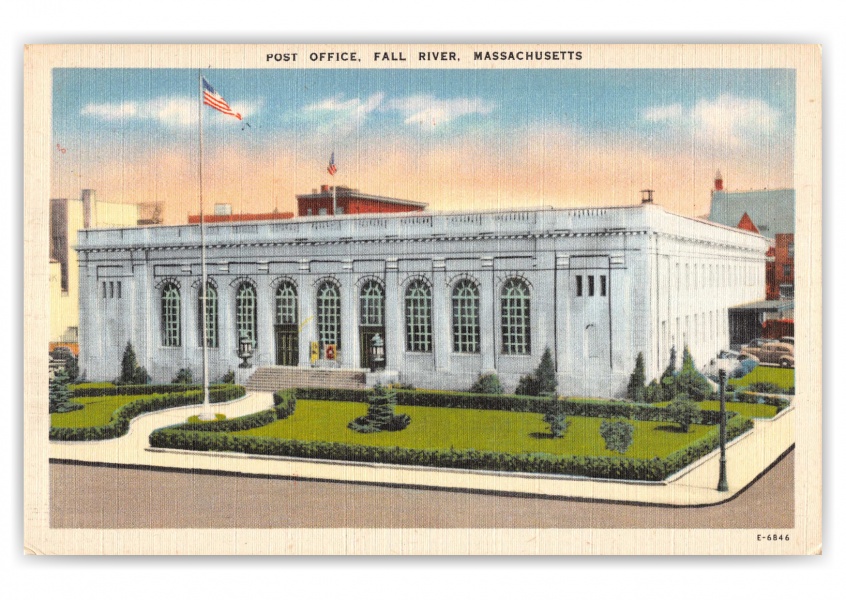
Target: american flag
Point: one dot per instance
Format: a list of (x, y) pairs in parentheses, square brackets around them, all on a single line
[(216, 101), (332, 168)]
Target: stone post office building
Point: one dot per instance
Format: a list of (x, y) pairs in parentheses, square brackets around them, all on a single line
[(453, 295)]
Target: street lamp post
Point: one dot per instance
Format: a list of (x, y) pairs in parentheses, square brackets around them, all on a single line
[(722, 486)]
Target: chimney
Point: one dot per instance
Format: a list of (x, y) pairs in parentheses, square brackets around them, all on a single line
[(646, 196), (89, 208), (324, 188), (718, 182)]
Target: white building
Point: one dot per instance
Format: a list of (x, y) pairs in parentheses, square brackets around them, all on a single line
[(67, 217), (453, 295)]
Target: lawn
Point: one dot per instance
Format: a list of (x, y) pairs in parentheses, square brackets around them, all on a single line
[(97, 411), (485, 430), (781, 377), (752, 411)]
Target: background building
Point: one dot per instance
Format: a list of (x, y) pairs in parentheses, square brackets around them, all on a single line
[(350, 201), (452, 295), (770, 213), (67, 217)]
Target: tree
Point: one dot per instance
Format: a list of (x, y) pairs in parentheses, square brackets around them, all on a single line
[(545, 374), (72, 368), (684, 412), (618, 435), (184, 376), (690, 382), (60, 394), (130, 370), (637, 381), (667, 380), (543, 381), (487, 384), (556, 418), (380, 413), (653, 392)]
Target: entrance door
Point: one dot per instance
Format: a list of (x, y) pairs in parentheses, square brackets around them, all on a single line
[(366, 335), (287, 345)]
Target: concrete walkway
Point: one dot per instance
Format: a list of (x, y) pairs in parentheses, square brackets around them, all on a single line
[(747, 458)]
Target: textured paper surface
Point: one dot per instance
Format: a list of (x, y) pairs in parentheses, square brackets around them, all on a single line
[(354, 509)]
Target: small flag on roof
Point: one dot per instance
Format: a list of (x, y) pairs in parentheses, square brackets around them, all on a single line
[(216, 101), (332, 169)]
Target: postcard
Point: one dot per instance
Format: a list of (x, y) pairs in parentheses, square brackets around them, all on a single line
[(423, 299)]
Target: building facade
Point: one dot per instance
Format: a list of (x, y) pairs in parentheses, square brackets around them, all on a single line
[(452, 295), (67, 217), (350, 201)]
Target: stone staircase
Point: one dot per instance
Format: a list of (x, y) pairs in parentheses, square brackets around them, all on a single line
[(274, 378)]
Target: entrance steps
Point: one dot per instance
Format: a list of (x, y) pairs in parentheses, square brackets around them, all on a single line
[(274, 378)]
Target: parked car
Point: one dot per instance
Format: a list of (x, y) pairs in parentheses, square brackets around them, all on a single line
[(787, 340), (734, 364), (774, 353)]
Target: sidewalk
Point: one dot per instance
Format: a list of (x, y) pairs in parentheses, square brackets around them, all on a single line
[(747, 457)]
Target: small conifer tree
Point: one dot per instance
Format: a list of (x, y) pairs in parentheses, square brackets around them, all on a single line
[(637, 381)]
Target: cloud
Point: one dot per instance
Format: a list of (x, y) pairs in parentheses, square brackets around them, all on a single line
[(726, 120), (172, 111), (414, 110), (428, 110)]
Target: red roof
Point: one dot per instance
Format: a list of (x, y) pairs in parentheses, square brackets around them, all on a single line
[(747, 224), (241, 217)]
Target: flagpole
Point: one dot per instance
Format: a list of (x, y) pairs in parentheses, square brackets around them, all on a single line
[(334, 199), (207, 414)]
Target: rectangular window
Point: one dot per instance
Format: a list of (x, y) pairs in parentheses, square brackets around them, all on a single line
[(788, 270), (111, 289), (590, 285), (578, 285), (104, 289), (309, 212), (603, 285), (790, 249), (340, 210), (321, 211), (119, 295)]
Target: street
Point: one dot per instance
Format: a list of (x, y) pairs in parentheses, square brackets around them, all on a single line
[(102, 497)]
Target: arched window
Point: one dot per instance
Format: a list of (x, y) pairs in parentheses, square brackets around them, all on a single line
[(372, 304), (211, 317), (245, 311), (171, 316), (465, 317), (418, 317), (516, 318), (329, 313), (286, 304)]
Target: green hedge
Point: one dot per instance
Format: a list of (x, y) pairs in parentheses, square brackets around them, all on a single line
[(576, 408), (119, 424), (285, 402), (602, 467), (97, 390), (780, 402)]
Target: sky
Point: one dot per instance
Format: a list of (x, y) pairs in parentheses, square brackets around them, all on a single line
[(456, 139)]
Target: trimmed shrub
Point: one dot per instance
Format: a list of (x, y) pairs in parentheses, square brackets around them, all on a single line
[(380, 413), (765, 387), (229, 377), (184, 376), (487, 384), (542, 381), (556, 418), (130, 371), (122, 416), (684, 412), (637, 380), (618, 435), (688, 381)]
